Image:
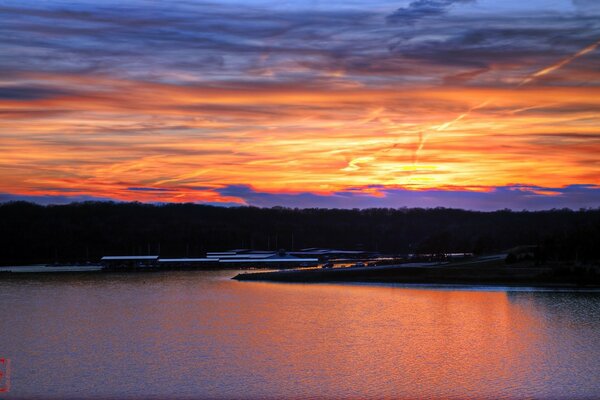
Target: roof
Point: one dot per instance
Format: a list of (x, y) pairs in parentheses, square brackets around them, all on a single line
[(268, 260), (328, 251), (128, 258), (253, 256), (187, 260)]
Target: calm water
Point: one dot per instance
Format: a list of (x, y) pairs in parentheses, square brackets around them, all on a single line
[(190, 335)]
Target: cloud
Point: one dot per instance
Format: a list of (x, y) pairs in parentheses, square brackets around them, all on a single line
[(99, 97), (420, 9), (199, 42), (489, 44), (516, 197), (25, 93), (587, 5), (148, 189)]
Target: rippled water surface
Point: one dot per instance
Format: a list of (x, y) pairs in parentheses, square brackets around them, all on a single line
[(200, 334)]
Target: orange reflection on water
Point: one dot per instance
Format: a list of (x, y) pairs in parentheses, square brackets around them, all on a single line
[(191, 335), (397, 341)]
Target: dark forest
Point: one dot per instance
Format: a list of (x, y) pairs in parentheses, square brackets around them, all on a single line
[(81, 232)]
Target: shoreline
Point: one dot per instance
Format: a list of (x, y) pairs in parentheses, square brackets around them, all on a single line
[(443, 274)]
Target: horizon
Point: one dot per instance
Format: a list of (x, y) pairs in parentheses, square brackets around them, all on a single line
[(42, 201), (463, 104)]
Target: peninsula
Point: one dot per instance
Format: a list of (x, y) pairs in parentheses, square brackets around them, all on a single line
[(490, 270)]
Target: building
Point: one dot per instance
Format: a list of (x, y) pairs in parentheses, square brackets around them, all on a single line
[(188, 263), (243, 258), (331, 254), (129, 262), (233, 259)]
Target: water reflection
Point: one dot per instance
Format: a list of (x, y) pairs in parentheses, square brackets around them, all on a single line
[(203, 335)]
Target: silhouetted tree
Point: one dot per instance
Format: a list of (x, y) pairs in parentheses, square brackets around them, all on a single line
[(86, 231)]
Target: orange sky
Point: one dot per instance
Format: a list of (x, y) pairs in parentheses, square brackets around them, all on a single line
[(136, 134), (529, 121)]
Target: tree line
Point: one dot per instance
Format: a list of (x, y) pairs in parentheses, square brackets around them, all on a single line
[(86, 231)]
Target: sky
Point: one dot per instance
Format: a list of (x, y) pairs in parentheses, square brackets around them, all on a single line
[(475, 104)]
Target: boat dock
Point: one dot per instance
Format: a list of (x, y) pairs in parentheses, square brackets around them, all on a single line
[(38, 269)]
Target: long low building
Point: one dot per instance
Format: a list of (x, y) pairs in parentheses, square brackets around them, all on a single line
[(286, 262), (214, 260), (129, 261), (185, 260), (330, 254), (188, 263)]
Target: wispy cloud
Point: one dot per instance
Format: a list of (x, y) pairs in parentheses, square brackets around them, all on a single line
[(146, 100), (420, 9), (562, 63)]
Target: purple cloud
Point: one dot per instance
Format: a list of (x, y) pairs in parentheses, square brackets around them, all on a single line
[(516, 197)]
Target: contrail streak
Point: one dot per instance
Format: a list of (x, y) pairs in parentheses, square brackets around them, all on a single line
[(560, 64), (445, 126), (353, 165), (525, 81)]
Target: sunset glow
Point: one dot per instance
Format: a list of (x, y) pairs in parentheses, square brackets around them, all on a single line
[(301, 103)]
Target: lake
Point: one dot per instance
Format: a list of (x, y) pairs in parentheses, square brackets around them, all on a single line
[(201, 334)]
